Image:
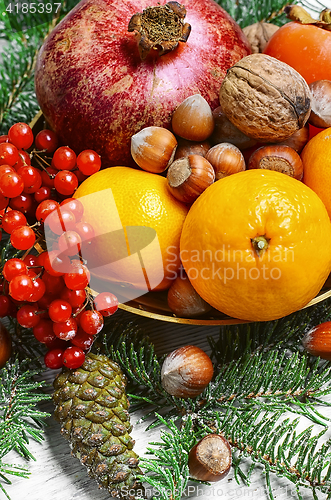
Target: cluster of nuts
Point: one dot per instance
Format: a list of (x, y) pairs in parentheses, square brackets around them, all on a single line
[(185, 373), (205, 145)]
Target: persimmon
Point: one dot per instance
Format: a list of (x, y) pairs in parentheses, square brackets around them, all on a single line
[(305, 47)]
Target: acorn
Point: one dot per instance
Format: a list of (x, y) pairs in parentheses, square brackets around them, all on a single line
[(186, 372), (210, 459), (317, 341)]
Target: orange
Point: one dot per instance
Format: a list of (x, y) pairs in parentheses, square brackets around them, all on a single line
[(256, 245), (316, 159), (137, 225)]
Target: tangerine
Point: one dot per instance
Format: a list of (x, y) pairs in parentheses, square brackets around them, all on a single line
[(316, 159), (133, 215), (257, 245)]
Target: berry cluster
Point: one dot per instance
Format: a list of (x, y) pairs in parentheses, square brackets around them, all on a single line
[(48, 291)]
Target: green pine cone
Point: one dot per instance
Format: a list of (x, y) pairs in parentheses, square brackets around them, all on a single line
[(92, 407)]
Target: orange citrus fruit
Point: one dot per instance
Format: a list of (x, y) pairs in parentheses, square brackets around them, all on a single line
[(137, 225), (316, 159), (257, 245)]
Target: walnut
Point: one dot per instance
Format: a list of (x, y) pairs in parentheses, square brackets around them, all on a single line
[(265, 98), (258, 35)]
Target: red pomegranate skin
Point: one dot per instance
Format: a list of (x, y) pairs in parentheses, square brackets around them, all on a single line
[(94, 90)]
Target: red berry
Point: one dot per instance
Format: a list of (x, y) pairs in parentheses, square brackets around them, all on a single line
[(11, 184), (43, 331), (21, 287), (48, 176), (91, 322), (14, 267), (23, 238), (3, 201), (106, 303), (54, 284), (59, 310), (65, 330), (13, 219), (60, 220), (85, 231), (21, 135), (31, 178), (24, 159), (46, 140), (30, 260), (65, 182), (42, 194), (27, 317), (6, 168), (75, 206), (23, 203), (64, 158), (4, 138), (5, 303), (79, 276), (53, 359), (70, 243), (88, 162), (8, 154), (39, 289), (56, 264), (73, 357), (83, 340), (76, 298), (45, 208)]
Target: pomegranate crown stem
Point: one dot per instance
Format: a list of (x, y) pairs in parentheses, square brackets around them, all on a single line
[(160, 28)]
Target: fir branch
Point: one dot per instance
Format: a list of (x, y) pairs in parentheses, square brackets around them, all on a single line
[(20, 419)]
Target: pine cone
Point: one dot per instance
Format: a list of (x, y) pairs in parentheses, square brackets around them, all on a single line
[(92, 407)]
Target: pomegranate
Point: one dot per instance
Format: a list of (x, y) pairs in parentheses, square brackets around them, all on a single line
[(97, 86)]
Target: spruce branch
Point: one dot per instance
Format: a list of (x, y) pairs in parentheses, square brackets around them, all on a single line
[(20, 419)]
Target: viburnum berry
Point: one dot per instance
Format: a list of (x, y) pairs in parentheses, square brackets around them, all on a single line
[(74, 206), (79, 276), (46, 140), (43, 331), (85, 231), (27, 317), (73, 357), (65, 330), (21, 135), (65, 182), (3, 201), (76, 298), (64, 158), (48, 176), (14, 267), (21, 287), (11, 184), (23, 203), (30, 260), (4, 138), (4, 305), (8, 154), (45, 208), (6, 168), (54, 284), (60, 220), (53, 359), (39, 289), (106, 303), (13, 219), (59, 310), (88, 162), (23, 160), (43, 193), (70, 243), (55, 263), (31, 178), (91, 322), (23, 238), (82, 340)]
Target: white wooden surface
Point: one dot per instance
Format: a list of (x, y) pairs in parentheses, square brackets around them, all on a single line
[(57, 475)]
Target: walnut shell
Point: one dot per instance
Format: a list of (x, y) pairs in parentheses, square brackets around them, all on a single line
[(265, 98), (259, 34)]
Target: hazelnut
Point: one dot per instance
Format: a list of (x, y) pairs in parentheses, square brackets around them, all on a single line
[(226, 159), (189, 177), (186, 372), (298, 140), (317, 341), (320, 115), (193, 119), (265, 98), (280, 158), (225, 131), (153, 148), (186, 148), (184, 301), (5, 345), (210, 459)]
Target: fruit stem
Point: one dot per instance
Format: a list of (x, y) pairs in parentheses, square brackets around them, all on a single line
[(260, 244)]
